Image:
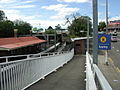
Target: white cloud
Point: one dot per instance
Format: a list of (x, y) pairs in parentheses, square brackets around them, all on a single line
[(27, 2), (115, 18), (56, 7), (7, 1), (12, 14), (45, 23), (16, 14), (77, 1), (23, 6), (62, 10)]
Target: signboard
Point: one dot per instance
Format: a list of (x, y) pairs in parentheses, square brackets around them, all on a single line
[(104, 42)]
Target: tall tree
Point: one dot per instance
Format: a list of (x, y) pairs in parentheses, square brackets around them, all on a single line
[(2, 16), (23, 27), (6, 28), (101, 26), (78, 26)]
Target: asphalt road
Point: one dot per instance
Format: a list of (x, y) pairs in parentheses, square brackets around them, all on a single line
[(114, 53)]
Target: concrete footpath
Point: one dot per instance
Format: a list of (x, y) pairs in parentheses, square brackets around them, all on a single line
[(110, 72), (69, 77)]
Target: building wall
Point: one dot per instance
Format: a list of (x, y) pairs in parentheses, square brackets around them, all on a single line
[(79, 46)]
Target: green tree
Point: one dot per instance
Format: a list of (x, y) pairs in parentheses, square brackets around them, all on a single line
[(50, 30), (101, 26), (78, 27), (58, 27), (2, 16), (23, 27), (36, 30), (6, 28)]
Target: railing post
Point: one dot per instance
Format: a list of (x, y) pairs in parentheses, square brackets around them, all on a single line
[(6, 59), (1, 78)]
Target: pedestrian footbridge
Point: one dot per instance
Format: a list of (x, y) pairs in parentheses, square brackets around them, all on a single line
[(35, 72)]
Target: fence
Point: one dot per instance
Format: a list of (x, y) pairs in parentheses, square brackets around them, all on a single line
[(95, 80), (20, 74)]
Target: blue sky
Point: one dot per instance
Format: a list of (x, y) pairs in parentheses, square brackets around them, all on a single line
[(44, 13)]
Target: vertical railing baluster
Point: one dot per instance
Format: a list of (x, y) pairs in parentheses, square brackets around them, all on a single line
[(1, 77), (7, 77), (4, 80)]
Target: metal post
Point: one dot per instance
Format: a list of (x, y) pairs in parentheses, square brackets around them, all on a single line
[(15, 32), (95, 32), (47, 40), (88, 34), (55, 40), (106, 52), (107, 16)]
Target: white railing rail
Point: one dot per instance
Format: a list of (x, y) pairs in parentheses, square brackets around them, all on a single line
[(90, 82), (20, 74), (94, 77), (103, 82), (17, 57)]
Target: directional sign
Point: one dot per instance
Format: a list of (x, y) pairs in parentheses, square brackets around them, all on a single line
[(104, 42)]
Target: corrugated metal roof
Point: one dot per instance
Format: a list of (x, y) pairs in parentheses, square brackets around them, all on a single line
[(17, 42)]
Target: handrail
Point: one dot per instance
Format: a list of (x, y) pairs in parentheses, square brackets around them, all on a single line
[(34, 56), (92, 69), (89, 75), (28, 56), (18, 75), (103, 82)]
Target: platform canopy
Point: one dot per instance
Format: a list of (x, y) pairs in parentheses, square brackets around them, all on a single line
[(18, 42)]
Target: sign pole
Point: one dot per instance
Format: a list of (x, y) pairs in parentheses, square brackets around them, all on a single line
[(106, 52)]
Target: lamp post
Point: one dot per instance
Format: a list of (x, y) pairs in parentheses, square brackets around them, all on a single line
[(87, 34)]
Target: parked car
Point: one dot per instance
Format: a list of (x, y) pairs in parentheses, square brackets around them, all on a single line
[(114, 37)]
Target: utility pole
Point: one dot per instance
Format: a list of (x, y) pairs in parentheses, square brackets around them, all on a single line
[(95, 32), (107, 16), (106, 52)]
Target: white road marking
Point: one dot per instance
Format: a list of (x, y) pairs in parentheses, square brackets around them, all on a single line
[(117, 50), (115, 80)]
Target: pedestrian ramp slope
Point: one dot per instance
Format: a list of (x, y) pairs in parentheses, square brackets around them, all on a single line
[(70, 77), (21, 74)]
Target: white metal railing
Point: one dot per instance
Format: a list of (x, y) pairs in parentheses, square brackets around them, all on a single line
[(92, 73), (20, 74), (90, 82)]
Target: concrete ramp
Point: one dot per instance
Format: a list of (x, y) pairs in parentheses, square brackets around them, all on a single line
[(70, 77)]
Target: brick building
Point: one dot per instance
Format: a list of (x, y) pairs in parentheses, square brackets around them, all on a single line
[(114, 25)]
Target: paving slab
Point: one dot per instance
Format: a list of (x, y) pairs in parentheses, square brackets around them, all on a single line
[(110, 72)]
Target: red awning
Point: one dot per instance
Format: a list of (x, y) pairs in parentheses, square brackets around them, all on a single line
[(113, 23)]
